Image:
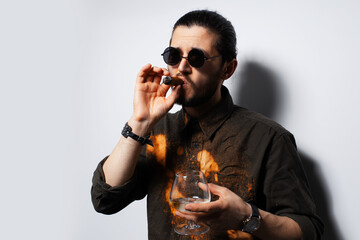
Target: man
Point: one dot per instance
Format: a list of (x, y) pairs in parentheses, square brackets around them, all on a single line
[(252, 165)]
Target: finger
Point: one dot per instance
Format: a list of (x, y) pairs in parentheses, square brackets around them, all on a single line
[(157, 74), (157, 78), (196, 217), (166, 72), (206, 218), (210, 207), (203, 186), (185, 216), (144, 71), (216, 189), (169, 100), (174, 95), (157, 70)]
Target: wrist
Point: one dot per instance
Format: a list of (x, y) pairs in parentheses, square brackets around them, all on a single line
[(243, 212), (127, 132), (141, 128), (248, 211), (251, 223)]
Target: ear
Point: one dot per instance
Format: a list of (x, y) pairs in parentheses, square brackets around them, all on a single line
[(229, 69)]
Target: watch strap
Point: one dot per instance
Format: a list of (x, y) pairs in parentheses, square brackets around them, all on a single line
[(127, 132), (255, 211), (252, 223)]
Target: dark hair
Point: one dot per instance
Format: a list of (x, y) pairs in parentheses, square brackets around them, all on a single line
[(226, 43)]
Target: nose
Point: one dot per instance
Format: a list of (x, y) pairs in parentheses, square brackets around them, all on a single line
[(184, 66)]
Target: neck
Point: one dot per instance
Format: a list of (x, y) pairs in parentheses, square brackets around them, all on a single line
[(201, 110)]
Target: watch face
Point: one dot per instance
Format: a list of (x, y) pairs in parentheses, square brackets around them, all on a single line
[(252, 225)]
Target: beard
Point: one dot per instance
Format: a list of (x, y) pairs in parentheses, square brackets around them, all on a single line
[(200, 97), (200, 94)]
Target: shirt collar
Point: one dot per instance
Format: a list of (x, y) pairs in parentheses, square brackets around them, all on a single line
[(213, 120)]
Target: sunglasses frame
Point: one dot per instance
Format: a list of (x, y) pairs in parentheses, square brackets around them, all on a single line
[(188, 58)]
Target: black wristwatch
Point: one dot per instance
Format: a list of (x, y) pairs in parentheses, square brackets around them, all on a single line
[(252, 223), (127, 132)]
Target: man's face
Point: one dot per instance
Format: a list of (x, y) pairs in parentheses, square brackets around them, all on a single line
[(200, 84)]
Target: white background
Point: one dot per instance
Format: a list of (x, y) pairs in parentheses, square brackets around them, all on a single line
[(67, 71)]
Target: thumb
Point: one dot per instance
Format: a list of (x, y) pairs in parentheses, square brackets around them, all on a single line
[(216, 189), (174, 95)]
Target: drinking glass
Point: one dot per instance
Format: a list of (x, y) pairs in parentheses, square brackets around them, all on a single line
[(189, 187)]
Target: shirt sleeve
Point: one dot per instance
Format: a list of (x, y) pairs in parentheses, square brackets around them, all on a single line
[(286, 188), (110, 200)]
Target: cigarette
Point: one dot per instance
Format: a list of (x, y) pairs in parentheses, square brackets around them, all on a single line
[(173, 81)]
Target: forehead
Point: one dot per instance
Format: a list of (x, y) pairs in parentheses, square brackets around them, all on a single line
[(193, 37)]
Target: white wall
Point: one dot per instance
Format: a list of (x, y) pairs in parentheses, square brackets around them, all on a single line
[(67, 71)]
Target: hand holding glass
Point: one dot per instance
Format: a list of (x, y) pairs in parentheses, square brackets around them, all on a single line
[(189, 187)]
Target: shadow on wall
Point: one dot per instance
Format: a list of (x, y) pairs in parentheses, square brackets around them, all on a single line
[(260, 90), (321, 195)]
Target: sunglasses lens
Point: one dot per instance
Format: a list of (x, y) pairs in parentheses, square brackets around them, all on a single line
[(196, 58), (171, 56)]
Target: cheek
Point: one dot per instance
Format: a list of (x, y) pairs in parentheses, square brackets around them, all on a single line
[(199, 79), (210, 75), (212, 68)]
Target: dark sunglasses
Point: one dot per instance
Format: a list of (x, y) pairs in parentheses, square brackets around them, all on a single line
[(196, 57)]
